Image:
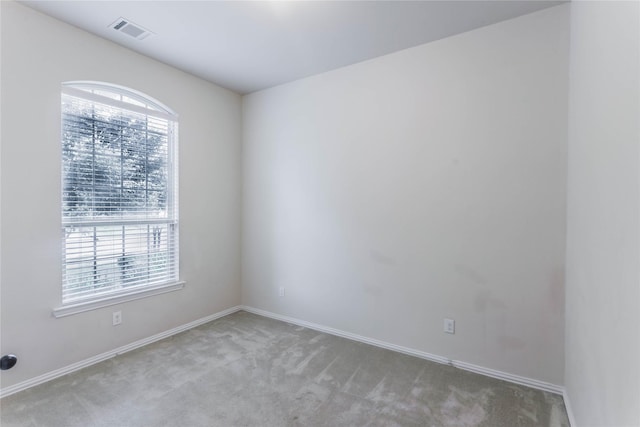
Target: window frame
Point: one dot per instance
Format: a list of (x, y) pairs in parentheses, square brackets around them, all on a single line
[(120, 97)]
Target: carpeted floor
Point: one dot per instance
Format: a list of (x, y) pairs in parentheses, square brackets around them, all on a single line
[(247, 370)]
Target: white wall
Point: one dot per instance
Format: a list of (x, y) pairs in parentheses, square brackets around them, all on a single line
[(425, 184), (38, 53), (602, 373)]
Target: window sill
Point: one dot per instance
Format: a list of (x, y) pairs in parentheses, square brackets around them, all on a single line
[(94, 304)]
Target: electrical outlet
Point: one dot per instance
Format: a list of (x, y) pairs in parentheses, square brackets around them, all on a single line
[(450, 326), (281, 291), (117, 318)]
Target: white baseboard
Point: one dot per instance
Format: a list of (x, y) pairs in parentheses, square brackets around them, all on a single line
[(512, 378), (349, 335), (529, 382), (567, 406), (112, 353), (405, 350)]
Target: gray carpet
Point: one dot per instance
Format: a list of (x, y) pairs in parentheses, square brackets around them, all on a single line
[(247, 370)]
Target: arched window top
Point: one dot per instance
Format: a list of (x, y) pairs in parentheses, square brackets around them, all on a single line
[(124, 96)]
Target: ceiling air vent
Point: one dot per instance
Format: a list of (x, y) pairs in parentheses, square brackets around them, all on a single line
[(129, 28)]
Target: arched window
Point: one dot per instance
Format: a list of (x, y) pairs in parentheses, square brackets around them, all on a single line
[(119, 193)]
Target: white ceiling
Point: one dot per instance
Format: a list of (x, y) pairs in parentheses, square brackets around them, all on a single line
[(251, 45)]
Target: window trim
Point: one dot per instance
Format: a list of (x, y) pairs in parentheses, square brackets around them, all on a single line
[(108, 300), (152, 108)]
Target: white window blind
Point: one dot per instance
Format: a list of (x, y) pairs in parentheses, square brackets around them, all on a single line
[(119, 192)]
